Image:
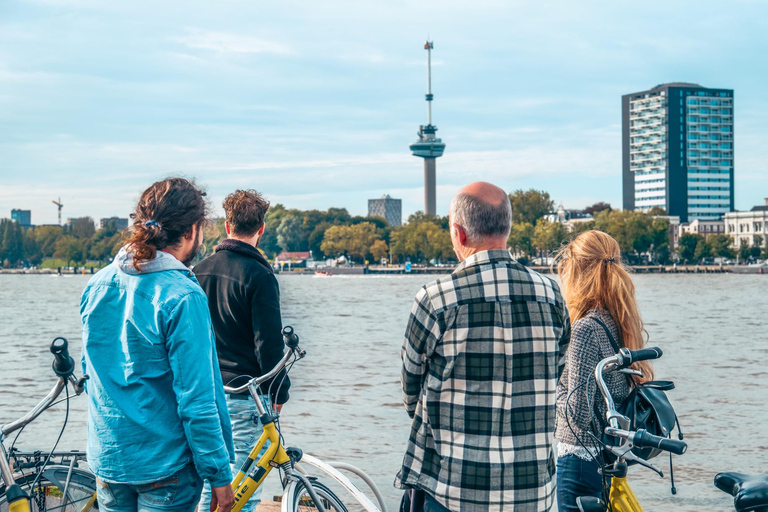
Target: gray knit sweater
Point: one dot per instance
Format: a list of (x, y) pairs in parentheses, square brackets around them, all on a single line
[(589, 344)]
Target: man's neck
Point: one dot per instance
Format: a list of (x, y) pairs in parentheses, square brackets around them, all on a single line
[(468, 250), (252, 241)]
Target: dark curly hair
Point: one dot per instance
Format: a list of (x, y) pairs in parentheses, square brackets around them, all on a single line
[(166, 212), (245, 211)]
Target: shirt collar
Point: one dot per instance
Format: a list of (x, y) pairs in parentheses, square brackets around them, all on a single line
[(482, 257)]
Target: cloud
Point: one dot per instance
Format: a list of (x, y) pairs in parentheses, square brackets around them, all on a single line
[(225, 42)]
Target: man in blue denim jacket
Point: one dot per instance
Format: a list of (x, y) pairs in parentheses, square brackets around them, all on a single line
[(157, 418)]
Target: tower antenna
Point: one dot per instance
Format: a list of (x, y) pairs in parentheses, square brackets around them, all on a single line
[(428, 146)]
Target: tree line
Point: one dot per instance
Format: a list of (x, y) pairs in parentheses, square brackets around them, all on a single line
[(643, 237)]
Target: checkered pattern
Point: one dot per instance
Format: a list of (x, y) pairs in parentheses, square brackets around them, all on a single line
[(483, 351)]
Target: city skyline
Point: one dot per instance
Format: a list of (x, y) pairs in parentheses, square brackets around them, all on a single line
[(314, 110)]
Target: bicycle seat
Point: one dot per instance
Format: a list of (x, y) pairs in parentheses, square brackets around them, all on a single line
[(750, 492)]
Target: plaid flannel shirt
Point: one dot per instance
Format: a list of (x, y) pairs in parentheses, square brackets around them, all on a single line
[(483, 351)]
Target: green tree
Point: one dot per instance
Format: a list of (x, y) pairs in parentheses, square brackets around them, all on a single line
[(548, 236), (315, 239), (530, 205), (423, 238), (290, 233), (686, 246), (69, 249), (83, 227), (379, 250), (597, 208), (721, 246), (355, 241), (756, 250), (520, 239), (46, 237), (13, 243), (765, 249), (703, 250)]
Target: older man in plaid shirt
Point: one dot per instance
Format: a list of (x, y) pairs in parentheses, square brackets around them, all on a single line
[(483, 351)]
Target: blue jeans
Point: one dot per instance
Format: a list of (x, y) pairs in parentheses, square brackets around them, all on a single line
[(431, 504), (577, 477), (178, 493), (245, 433)]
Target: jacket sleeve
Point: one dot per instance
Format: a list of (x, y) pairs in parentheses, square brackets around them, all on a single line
[(199, 394), (421, 335), (267, 336), (582, 359)]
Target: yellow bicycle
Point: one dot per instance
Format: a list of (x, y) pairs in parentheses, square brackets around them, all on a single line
[(621, 498), (55, 480)]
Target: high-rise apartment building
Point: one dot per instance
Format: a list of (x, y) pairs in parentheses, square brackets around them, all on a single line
[(390, 209), (678, 150), (23, 217)]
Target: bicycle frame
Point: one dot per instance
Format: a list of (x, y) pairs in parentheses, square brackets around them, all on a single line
[(252, 473)]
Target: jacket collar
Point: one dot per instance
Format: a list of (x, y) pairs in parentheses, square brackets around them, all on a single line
[(479, 258), (230, 244), (161, 262)]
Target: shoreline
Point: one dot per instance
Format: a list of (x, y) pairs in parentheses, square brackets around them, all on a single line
[(400, 270)]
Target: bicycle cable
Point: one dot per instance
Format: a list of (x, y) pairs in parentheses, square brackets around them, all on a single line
[(56, 444)]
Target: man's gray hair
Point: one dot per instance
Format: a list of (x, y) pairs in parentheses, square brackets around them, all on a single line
[(480, 219)]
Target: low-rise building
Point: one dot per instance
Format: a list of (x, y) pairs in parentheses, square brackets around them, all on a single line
[(121, 224), (701, 227), (748, 228), (298, 259)]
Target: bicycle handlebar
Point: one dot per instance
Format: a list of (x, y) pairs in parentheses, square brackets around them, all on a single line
[(643, 439), (644, 354), (63, 364)]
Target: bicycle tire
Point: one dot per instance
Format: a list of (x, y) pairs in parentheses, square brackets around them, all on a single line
[(48, 493), (302, 501)]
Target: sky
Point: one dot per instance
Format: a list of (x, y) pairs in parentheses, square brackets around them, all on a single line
[(315, 103)]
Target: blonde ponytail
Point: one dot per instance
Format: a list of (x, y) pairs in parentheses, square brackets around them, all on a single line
[(594, 276)]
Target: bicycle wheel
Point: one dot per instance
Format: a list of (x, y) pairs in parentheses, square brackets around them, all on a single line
[(303, 502), (48, 493)]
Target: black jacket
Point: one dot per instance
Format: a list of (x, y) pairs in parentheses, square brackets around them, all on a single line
[(244, 300)]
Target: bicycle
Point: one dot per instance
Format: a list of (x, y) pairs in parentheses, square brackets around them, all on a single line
[(621, 498), (53, 480), (75, 489), (300, 491)]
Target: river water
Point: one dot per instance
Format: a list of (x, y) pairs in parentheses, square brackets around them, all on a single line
[(346, 403)]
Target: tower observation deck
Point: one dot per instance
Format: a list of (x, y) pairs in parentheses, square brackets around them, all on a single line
[(428, 146)]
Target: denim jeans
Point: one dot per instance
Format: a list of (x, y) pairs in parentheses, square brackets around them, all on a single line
[(577, 477), (245, 433), (178, 493), (432, 505)]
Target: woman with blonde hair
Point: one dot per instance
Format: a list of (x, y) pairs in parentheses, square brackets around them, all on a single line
[(600, 296)]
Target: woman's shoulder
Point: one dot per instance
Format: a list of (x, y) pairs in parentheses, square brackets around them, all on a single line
[(590, 326)]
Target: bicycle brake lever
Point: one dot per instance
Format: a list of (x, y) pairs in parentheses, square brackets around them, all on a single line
[(79, 384), (631, 456), (631, 371)]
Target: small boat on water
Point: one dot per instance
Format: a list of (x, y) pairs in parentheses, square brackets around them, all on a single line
[(323, 273), (756, 268)]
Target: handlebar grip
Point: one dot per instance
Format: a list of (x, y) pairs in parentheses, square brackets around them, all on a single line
[(645, 440), (290, 337), (63, 364), (645, 354)]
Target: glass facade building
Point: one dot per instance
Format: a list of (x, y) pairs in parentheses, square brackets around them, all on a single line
[(23, 217), (678, 151), (390, 209)]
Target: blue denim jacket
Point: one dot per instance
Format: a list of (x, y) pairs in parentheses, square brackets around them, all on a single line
[(155, 397)]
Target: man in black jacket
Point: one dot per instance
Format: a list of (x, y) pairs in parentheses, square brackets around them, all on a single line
[(244, 300)]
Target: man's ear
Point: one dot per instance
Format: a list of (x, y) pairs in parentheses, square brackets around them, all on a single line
[(261, 229), (461, 235), (227, 228)]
